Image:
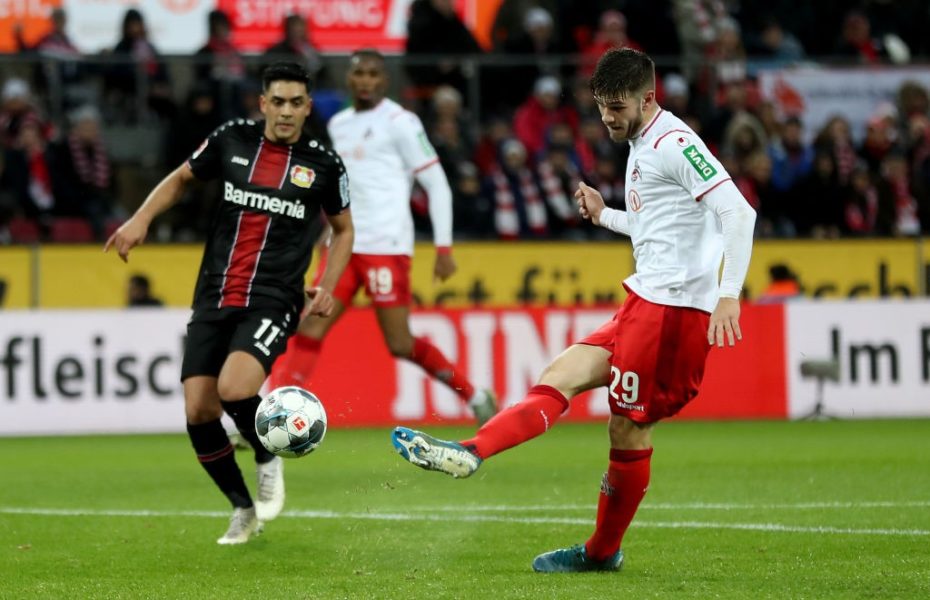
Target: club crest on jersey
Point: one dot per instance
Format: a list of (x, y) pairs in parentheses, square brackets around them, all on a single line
[(636, 174), (302, 176)]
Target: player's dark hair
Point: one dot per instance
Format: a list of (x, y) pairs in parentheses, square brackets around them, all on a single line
[(363, 53), (286, 71), (622, 72)]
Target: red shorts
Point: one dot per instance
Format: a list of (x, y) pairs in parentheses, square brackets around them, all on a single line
[(386, 279), (657, 358)]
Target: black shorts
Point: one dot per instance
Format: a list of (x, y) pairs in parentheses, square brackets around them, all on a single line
[(211, 337)]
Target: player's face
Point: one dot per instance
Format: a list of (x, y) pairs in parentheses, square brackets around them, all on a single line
[(367, 82), (623, 116), (286, 106)]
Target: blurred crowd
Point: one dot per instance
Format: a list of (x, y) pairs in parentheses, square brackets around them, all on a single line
[(515, 152)]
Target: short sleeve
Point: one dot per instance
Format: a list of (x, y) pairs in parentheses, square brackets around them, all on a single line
[(689, 163), (412, 144), (206, 160), (336, 198)]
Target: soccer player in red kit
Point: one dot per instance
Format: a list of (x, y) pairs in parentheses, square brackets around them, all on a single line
[(250, 291), (385, 148), (683, 214)]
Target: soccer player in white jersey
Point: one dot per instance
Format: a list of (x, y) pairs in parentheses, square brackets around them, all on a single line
[(384, 148), (683, 214)]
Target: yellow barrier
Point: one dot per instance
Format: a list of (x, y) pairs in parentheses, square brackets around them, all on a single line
[(490, 274)]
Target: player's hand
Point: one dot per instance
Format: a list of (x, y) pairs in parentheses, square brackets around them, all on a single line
[(128, 236), (590, 202), (724, 322), (444, 267), (321, 302)]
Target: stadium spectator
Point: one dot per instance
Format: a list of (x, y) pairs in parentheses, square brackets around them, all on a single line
[(776, 211), (434, 29), (139, 293), (496, 131), (219, 62), (85, 174), (510, 19), (836, 139), (772, 46), (296, 46), (611, 33), (792, 159), (62, 63), (244, 309), (898, 208), (861, 208), (820, 199), (385, 149), (857, 42), (16, 110), (473, 212), (783, 285), (698, 23), (138, 59), (743, 137), (38, 157), (543, 109), (676, 94), (559, 177), (651, 355)]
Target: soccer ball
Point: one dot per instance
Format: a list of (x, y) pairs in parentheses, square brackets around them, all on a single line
[(290, 422)]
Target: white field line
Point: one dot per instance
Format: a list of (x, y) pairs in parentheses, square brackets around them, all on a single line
[(681, 506), (445, 518)]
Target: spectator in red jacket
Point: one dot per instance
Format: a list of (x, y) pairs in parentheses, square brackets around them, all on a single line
[(544, 108)]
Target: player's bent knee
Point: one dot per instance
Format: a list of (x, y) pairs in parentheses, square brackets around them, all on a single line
[(235, 389), (198, 414), (626, 434), (401, 349)]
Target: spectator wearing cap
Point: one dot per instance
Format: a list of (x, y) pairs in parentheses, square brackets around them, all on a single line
[(537, 51), (17, 109), (539, 112), (675, 94)]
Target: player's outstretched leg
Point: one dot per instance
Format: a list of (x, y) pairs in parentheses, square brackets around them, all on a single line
[(269, 469), (433, 454), (575, 559), (483, 404), (242, 525)]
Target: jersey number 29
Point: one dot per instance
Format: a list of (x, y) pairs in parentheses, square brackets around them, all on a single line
[(628, 382)]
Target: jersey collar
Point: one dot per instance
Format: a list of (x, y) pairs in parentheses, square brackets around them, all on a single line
[(648, 127)]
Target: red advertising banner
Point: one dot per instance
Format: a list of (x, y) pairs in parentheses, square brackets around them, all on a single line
[(361, 384), (339, 26)]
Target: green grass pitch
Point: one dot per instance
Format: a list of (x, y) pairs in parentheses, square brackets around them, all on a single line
[(738, 510)]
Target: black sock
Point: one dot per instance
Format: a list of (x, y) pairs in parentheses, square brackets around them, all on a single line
[(215, 453), (243, 415)]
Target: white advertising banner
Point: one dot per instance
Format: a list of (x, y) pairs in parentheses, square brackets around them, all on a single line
[(174, 26), (883, 351), (819, 94), (104, 371)]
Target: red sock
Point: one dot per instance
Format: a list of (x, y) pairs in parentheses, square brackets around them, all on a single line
[(521, 422), (433, 362), (622, 489), (296, 365)]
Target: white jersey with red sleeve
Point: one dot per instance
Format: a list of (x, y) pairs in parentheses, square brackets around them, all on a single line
[(382, 148), (677, 239)]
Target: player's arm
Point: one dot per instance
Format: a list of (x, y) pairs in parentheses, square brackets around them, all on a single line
[(420, 157), (737, 221), (161, 198), (340, 251), (434, 182), (591, 206)]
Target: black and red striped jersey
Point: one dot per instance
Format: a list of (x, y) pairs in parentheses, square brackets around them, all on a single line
[(265, 223)]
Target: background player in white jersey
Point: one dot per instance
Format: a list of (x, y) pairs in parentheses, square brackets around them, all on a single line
[(683, 215), (384, 148)]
